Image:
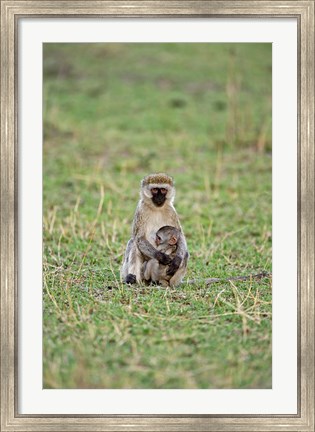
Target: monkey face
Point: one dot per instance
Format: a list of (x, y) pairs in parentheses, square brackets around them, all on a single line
[(167, 235), (158, 189), (158, 196), (173, 240)]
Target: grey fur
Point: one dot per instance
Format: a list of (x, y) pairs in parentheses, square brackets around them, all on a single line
[(148, 219)]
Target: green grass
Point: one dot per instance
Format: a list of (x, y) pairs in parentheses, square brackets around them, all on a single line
[(112, 114)]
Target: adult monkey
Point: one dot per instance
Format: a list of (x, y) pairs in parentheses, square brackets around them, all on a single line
[(155, 209)]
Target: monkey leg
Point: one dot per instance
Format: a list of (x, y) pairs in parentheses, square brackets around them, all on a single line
[(176, 279), (152, 270), (179, 275), (132, 266), (158, 273), (143, 269), (146, 271), (125, 266)]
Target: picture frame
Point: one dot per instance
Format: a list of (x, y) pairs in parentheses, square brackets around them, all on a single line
[(11, 12)]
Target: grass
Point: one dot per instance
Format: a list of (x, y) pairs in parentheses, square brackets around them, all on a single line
[(112, 114)]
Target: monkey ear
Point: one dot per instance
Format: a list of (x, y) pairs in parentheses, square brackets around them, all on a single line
[(173, 240)]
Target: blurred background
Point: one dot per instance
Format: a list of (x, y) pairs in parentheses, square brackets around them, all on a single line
[(112, 114)]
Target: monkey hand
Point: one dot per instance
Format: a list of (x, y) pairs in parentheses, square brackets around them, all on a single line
[(174, 266), (130, 279), (162, 258)]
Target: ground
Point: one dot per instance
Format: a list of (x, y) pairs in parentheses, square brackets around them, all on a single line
[(112, 114)]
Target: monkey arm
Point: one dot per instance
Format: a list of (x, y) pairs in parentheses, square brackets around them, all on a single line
[(174, 266), (181, 255), (150, 252)]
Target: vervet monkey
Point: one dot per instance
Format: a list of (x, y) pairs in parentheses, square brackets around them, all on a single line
[(155, 209), (166, 241)]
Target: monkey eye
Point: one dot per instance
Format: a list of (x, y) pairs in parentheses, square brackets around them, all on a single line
[(164, 191), (154, 191)]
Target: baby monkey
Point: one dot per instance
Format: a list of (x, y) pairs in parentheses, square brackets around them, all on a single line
[(166, 239)]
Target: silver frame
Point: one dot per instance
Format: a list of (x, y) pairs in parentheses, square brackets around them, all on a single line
[(11, 11)]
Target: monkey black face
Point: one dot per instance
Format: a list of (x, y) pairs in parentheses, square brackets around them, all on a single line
[(158, 196), (159, 192)]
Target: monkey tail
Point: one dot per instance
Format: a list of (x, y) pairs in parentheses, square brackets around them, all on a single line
[(210, 281)]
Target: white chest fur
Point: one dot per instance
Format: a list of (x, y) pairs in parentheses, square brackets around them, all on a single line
[(156, 221)]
